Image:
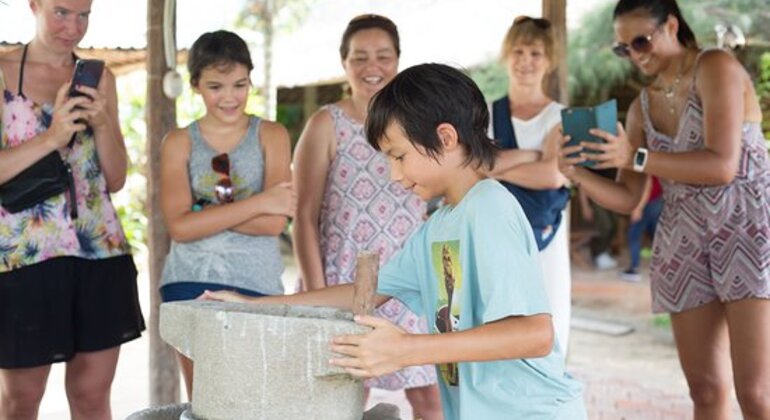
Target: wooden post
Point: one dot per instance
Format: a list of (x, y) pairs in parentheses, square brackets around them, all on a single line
[(160, 114), (309, 101), (365, 286), (556, 12)]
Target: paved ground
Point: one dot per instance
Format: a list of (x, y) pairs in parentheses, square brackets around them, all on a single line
[(634, 376)]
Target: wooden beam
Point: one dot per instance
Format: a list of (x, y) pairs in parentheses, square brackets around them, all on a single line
[(556, 12), (160, 114)]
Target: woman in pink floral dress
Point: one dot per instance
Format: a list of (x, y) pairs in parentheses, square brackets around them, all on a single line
[(67, 280), (347, 203)]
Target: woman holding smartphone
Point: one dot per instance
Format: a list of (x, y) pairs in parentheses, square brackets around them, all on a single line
[(697, 128), (67, 284)]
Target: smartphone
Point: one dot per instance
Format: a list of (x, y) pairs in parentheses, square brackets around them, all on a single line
[(577, 121), (87, 73)]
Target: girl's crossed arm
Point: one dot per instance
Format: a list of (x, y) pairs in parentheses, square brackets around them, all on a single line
[(277, 152)]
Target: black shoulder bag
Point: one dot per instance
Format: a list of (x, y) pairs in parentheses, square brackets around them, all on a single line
[(42, 180)]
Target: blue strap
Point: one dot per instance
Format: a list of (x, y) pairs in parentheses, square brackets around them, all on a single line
[(542, 207), (501, 121)]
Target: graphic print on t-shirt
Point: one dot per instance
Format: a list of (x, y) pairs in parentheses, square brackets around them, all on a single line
[(446, 263)]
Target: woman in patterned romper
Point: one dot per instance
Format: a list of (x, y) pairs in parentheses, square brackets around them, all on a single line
[(347, 203), (697, 128)]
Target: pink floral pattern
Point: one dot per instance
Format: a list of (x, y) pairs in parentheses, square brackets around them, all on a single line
[(363, 211), (46, 230), (19, 121)]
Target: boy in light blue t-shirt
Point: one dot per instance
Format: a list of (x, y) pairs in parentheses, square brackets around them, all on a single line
[(471, 269)]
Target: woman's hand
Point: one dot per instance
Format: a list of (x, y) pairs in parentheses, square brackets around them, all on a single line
[(569, 158), (375, 353), (66, 119), (615, 152), (96, 106)]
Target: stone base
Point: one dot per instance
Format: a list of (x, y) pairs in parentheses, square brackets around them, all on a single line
[(264, 361), (380, 411), (164, 412)]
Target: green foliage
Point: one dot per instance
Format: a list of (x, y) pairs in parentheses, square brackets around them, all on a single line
[(750, 15), (491, 78), (661, 321), (291, 116), (130, 202)]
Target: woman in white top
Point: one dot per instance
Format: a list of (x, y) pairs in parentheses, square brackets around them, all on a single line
[(525, 124)]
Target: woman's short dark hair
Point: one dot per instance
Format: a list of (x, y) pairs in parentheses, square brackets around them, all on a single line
[(369, 21), (660, 10), (420, 98), (218, 48)]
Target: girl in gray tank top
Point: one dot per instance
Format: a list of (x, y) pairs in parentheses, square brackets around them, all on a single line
[(225, 190), (227, 257)]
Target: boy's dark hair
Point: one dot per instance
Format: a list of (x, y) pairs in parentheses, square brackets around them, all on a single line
[(660, 11), (369, 21), (424, 96), (218, 48)]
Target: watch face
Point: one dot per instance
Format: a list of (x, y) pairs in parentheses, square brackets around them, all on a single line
[(639, 158)]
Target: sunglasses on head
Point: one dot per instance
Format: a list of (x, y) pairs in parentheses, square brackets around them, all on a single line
[(224, 187), (641, 44), (539, 22)]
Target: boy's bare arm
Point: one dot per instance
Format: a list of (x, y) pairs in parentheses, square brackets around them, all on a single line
[(514, 337), (388, 348), (340, 296)]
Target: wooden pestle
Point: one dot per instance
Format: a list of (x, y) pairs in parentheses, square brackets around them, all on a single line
[(365, 286)]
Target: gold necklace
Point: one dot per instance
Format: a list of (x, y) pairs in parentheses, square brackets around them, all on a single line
[(669, 91)]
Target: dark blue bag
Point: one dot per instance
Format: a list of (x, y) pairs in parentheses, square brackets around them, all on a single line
[(542, 207)]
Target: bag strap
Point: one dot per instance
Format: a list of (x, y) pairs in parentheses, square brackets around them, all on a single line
[(72, 192), (501, 123), (2, 101), (24, 61), (69, 178), (21, 70)]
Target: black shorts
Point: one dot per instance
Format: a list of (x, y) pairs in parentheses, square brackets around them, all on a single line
[(52, 310)]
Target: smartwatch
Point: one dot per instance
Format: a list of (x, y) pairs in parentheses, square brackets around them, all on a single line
[(640, 159)]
